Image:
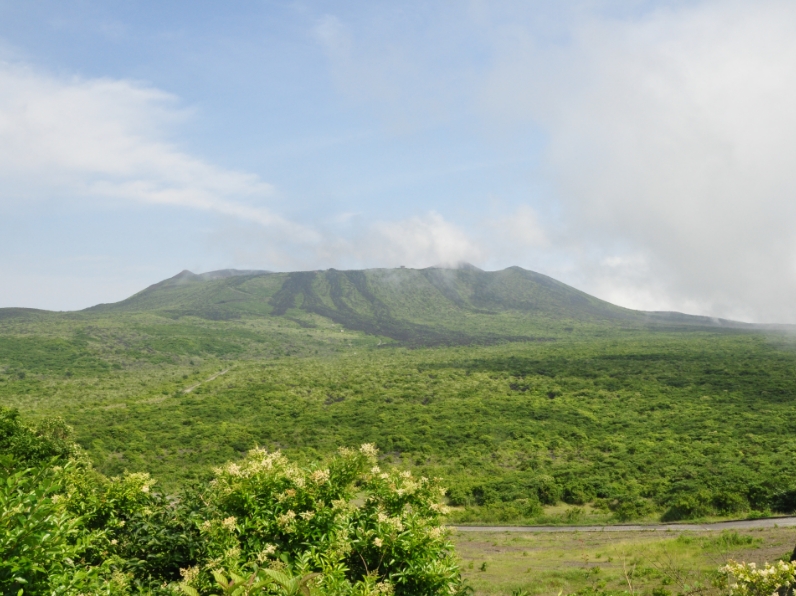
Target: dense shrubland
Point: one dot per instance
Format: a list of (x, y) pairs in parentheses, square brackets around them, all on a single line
[(619, 424), (263, 525), (534, 396)]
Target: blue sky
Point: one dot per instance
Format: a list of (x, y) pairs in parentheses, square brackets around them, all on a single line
[(640, 151)]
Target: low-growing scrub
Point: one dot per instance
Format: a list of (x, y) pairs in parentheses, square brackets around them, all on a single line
[(263, 525), (638, 424)]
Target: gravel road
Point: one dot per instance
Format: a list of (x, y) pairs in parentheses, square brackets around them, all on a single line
[(770, 522)]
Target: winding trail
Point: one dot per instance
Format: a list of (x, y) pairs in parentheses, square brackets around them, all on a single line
[(215, 376), (743, 524)]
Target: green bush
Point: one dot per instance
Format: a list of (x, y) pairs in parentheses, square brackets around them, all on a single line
[(689, 506), (23, 446), (630, 507), (264, 525), (149, 535), (43, 544), (360, 528), (35, 530)]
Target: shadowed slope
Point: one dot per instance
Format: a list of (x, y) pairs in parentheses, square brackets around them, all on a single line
[(430, 306)]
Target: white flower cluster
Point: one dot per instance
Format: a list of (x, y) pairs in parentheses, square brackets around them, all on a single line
[(295, 475), (339, 505), (320, 476), (369, 449), (751, 581), (440, 508), (257, 460), (285, 521), (263, 555), (189, 575), (288, 494), (229, 523), (395, 522), (139, 478)]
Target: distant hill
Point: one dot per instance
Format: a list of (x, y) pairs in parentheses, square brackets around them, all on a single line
[(430, 306), (14, 312)]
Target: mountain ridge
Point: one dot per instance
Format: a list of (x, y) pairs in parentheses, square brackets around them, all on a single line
[(429, 306)]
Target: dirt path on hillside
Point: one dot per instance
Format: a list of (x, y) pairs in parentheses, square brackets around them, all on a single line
[(215, 376), (744, 524)]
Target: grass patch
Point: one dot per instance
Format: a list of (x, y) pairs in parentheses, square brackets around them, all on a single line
[(654, 563)]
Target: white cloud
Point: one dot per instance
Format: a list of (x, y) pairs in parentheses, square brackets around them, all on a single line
[(668, 128), (520, 229), (103, 139), (671, 135), (334, 37), (421, 242)]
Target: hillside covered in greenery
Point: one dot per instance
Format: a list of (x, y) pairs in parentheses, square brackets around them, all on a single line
[(434, 306), (519, 391)]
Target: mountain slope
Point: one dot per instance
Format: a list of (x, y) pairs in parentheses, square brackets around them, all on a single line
[(414, 306)]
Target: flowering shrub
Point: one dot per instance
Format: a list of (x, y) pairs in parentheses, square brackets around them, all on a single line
[(745, 579), (28, 447), (146, 534), (264, 525), (361, 529)]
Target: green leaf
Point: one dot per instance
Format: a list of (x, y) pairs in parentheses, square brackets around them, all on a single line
[(281, 578), (220, 579), (189, 590)]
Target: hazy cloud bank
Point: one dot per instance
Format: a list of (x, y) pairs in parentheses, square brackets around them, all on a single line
[(674, 134), (668, 135)]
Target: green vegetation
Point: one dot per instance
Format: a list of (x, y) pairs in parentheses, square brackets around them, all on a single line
[(339, 527), (425, 307), (603, 563), (534, 403), (640, 424), (520, 392)]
